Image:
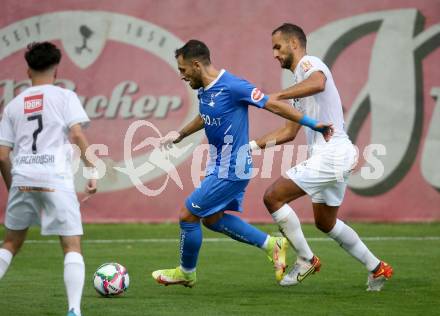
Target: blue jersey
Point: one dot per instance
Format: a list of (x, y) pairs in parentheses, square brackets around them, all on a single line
[(224, 109)]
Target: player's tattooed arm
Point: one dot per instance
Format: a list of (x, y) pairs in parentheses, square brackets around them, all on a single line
[(5, 165), (310, 86)]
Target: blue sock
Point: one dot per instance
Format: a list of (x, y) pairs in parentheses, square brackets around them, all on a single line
[(190, 243), (238, 229)]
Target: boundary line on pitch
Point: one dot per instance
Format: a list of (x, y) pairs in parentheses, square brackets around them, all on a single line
[(175, 240)]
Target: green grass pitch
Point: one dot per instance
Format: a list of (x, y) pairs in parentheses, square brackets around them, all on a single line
[(233, 278)]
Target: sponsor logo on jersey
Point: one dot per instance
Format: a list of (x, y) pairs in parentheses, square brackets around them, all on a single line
[(306, 65), (257, 95), (33, 104)]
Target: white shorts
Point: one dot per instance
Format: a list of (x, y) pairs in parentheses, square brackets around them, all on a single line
[(57, 212), (325, 174)]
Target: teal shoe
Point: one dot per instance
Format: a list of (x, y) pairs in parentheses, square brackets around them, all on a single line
[(72, 313)]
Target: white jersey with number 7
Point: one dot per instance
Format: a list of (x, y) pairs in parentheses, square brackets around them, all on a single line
[(36, 125)]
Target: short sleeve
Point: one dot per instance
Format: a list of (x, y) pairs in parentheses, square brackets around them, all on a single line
[(246, 93), (7, 134), (311, 65), (74, 112)]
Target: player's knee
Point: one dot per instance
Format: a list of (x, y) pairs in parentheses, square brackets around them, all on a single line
[(211, 222), (208, 222), (71, 244), (186, 216)]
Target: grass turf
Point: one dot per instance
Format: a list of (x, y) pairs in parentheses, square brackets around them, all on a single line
[(233, 278)]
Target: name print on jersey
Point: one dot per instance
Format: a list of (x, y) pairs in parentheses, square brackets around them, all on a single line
[(208, 120), (33, 103)]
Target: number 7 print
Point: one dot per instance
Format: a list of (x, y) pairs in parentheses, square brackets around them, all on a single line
[(39, 129)]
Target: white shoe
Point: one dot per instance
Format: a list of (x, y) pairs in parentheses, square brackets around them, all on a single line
[(300, 271)]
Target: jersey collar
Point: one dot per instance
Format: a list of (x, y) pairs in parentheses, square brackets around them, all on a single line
[(299, 63), (215, 80)]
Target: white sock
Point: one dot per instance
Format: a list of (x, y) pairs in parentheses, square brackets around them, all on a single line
[(187, 270), (350, 241), (5, 261), (74, 272), (290, 227)]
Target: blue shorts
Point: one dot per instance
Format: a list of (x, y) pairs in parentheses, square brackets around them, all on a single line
[(215, 195)]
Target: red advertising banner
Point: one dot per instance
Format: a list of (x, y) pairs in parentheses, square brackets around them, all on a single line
[(119, 58)]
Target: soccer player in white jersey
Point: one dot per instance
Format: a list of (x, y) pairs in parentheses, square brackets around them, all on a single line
[(36, 126), (323, 176)]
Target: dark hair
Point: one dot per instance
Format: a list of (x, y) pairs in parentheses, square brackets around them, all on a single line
[(42, 56), (194, 49), (289, 29)]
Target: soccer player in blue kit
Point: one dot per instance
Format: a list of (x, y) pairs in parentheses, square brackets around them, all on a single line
[(224, 100)]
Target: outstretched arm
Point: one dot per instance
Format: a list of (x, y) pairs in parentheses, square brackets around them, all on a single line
[(280, 136), (315, 83), (195, 125), (175, 137), (284, 110)]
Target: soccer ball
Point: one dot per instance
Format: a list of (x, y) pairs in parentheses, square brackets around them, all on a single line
[(111, 279)]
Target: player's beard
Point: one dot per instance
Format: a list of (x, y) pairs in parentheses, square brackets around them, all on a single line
[(287, 62), (196, 83)]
